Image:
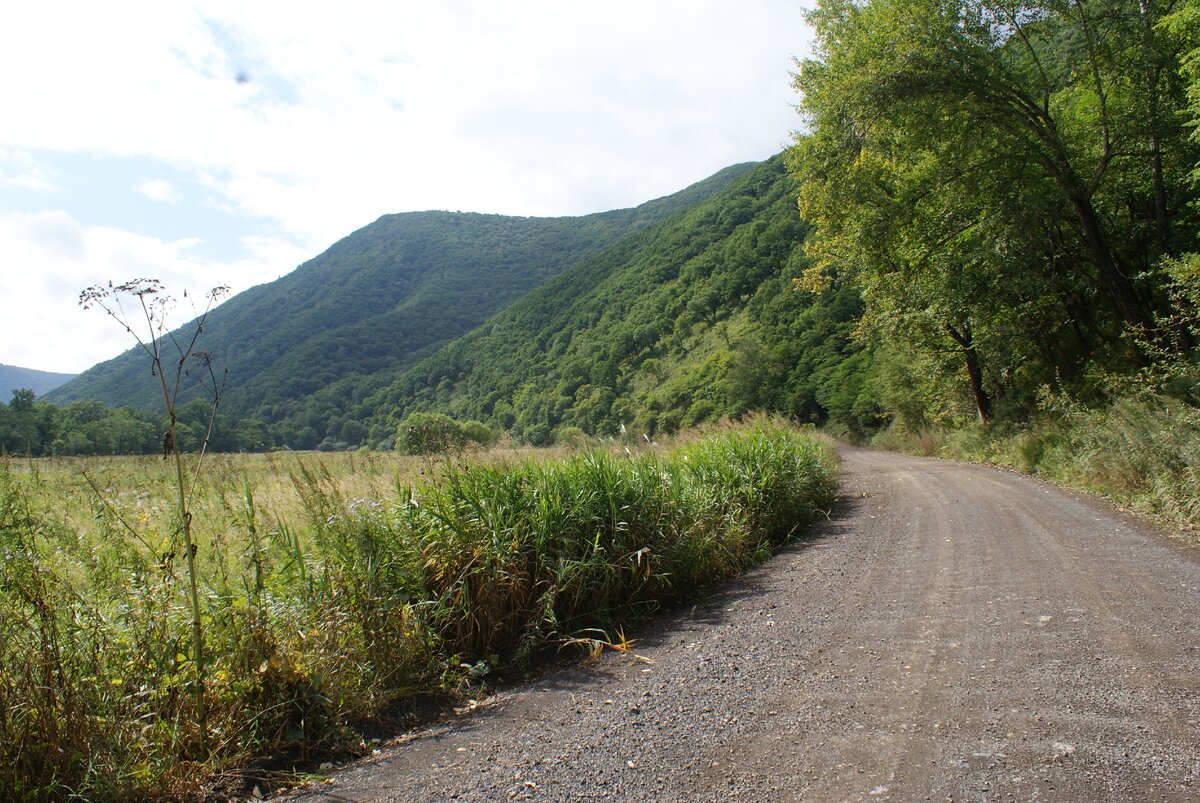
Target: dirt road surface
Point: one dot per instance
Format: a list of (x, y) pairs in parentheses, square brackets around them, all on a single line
[(954, 633)]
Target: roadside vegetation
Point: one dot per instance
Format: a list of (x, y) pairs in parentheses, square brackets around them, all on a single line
[(333, 586), (1013, 191), (1141, 449)]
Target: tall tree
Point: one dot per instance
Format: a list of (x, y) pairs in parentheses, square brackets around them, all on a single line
[(1005, 173)]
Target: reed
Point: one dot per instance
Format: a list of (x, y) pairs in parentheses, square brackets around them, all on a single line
[(330, 588)]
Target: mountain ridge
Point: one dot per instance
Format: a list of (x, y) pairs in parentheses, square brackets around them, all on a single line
[(15, 377), (378, 300)]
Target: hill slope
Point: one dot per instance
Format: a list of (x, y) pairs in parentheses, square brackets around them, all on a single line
[(378, 300), (684, 322), (14, 378)]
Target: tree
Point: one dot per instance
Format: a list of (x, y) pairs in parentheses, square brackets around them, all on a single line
[(19, 428), (1000, 178), (22, 401)]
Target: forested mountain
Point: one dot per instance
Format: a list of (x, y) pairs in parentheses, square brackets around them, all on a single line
[(998, 218), (676, 312), (14, 378), (377, 301), (684, 322)]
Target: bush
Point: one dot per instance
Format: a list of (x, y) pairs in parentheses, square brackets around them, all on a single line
[(570, 436), (477, 432), (434, 433)]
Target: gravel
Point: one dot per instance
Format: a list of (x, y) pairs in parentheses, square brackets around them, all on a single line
[(954, 632)]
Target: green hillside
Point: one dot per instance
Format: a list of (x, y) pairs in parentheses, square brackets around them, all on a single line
[(377, 301), (684, 322)]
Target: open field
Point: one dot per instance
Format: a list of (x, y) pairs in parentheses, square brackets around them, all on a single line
[(332, 585)]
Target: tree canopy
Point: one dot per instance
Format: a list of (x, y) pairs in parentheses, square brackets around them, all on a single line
[(1002, 180)]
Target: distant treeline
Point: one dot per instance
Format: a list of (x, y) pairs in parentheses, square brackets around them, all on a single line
[(36, 428), (29, 426)]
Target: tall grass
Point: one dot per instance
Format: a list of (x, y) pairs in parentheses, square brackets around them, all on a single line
[(1141, 448), (332, 589)]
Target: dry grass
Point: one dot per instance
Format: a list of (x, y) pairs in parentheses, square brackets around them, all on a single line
[(335, 583)]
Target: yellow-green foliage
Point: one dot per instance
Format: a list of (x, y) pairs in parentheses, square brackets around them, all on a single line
[(333, 586), (1140, 448)]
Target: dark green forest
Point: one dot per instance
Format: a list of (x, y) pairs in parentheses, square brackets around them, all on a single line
[(1012, 189), (989, 216), (692, 320)]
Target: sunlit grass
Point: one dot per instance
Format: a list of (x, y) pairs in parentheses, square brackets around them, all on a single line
[(336, 583)]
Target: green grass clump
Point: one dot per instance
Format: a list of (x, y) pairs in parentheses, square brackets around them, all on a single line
[(1140, 448), (326, 598), (514, 556)]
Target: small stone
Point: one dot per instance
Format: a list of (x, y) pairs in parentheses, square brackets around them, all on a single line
[(1062, 750)]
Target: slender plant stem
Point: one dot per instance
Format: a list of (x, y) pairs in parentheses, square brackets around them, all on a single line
[(194, 592), (153, 305)]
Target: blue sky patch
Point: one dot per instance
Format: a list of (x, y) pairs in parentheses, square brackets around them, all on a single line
[(103, 191)]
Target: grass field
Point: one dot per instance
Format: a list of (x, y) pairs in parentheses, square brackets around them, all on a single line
[(334, 584)]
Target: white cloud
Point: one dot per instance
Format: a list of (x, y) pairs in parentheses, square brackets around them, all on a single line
[(20, 169), (49, 257), (351, 111), (160, 190), (531, 107)]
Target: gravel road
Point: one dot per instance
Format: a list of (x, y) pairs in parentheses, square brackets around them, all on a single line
[(954, 633)]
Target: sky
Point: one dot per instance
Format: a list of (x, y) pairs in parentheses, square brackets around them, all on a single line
[(225, 142)]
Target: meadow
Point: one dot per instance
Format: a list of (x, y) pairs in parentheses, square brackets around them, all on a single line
[(335, 585)]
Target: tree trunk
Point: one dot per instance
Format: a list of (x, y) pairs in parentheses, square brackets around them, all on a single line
[(983, 404), (1113, 278)]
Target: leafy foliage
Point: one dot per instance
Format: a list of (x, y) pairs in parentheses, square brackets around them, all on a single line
[(688, 321), (1002, 182), (371, 305)]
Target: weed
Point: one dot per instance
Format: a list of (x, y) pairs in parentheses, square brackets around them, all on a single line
[(339, 587)]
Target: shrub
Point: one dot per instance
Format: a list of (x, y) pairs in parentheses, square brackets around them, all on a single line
[(429, 433), (570, 436), (434, 433), (477, 432)]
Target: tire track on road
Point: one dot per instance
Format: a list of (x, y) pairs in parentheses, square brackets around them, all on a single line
[(954, 632)]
